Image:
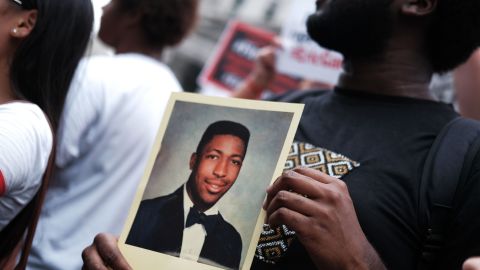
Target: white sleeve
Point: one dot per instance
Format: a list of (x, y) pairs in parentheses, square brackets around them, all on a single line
[(25, 146), (80, 114)]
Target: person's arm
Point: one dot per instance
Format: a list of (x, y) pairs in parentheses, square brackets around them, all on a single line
[(260, 78), (319, 209), (25, 143), (104, 254)]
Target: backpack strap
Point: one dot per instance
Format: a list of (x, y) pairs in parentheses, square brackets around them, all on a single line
[(446, 168)]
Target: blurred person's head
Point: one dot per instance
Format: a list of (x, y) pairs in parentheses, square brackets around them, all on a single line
[(217, 162), (43, 42), (146, 25), (445, 31)]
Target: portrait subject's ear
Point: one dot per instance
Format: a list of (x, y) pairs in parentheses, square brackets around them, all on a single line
[(419, 7), (193, 160)]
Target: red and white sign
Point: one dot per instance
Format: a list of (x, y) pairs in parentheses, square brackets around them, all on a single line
[(234, 59)]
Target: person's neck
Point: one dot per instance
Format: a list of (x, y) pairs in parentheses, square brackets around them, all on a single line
[(128, 47), (6, 93), (402, 70)]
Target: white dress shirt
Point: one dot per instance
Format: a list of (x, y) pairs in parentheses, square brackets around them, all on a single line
[(193, 236)]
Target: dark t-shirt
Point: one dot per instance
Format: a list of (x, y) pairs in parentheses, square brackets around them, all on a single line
[(390, 137)]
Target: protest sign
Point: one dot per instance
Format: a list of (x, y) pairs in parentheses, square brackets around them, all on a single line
[(234, 58)]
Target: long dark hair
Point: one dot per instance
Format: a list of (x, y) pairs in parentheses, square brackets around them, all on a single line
[(41, 72), (44, 63)]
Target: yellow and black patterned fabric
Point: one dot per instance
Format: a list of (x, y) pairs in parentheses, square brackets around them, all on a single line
[(274, 242)]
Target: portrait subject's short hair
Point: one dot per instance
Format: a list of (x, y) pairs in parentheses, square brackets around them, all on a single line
[(224, 128)]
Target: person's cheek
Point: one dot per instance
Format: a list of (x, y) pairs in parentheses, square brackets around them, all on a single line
[(234, 171)]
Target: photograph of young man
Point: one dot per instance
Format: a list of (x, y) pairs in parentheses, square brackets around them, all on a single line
[(187, 222)]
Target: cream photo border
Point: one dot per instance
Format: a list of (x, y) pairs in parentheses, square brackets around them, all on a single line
[(144, 259)]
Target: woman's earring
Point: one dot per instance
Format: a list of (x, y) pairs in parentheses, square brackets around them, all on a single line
[(15, 31)]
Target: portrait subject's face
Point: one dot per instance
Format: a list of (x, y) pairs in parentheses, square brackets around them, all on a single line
[(215, 170)]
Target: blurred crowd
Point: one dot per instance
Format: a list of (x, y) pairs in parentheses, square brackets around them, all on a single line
[(76, 132)]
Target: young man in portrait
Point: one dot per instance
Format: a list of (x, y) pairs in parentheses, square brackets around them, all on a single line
[(187, 222)]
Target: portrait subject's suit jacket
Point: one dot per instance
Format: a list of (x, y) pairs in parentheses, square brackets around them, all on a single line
[(158, 226)]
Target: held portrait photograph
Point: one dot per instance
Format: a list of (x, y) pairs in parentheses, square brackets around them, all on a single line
[(199, 204)]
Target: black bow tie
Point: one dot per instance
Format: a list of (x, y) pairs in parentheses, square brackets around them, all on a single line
[(194, 216)]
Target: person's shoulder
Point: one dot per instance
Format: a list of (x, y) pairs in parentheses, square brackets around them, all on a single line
[(130, 72), (134, 63), (103, 66), (92, 72), (151, 71), (231, 237), (23, 108), (229, 229), (298, 96), (25, 117), (26, 139), (160, 202), (111, 65), (97, 62), (31, 125)]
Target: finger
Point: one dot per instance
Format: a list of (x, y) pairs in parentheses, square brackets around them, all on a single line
[(333, 186), (296, 203), (293, 181), (92, 260), (277, 43), (266, 57), (316, 175), (108, 250), (293, 220)]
